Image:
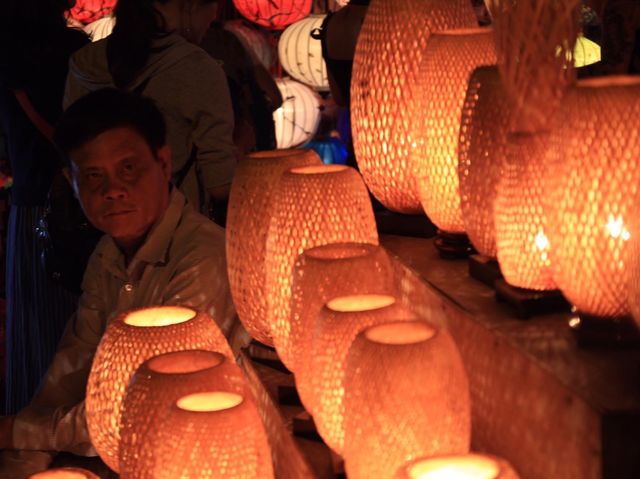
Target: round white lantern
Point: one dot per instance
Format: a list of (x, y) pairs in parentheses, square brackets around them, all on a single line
[(253, 41), (297, 120), (101, 28)]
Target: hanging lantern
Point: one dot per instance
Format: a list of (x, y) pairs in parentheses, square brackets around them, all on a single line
[(586, 52), (462, 466), (130, 339), (338, 324), (330, 150), (155, 386), (273, 14), (301, 55), (592, 178), (101, 28), (313, 206), (297, 120), (483, 137), (406, 396), (64, 473), (87, 11), (253, 41), (387, 60), (249, 214)]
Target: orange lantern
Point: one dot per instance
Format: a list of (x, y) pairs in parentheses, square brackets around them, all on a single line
[(336, 327), (462, 466), (64, 473), (130, 339), (214, 434), (481, 153), (387, 60), (450, 58), (155, 386), (313, 206), (634, 270), (406, 396), (592, 179), (273, 14), (249, 214)]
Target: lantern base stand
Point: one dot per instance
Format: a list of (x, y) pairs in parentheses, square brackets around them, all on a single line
[(599, 332), (453, 245), (484, 268), (528, 302), (390, 223)]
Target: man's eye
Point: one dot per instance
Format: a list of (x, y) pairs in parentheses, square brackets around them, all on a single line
[(93, 175)]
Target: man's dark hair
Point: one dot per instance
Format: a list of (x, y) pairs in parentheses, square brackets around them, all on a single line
[(104, 110)]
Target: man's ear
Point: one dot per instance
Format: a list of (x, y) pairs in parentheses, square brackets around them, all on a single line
[(164, 157)]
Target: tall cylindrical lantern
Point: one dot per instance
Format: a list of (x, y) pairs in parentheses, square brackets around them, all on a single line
[(253, 41), (481, 154), (313, 206), (297, 120), (273, 14), (212, 435), (461, 466), (155, 386), (449, 59), (249, 214), (634, 267), (64, 473), (406, 396), (592, 179), (387, 60), (100, 28), (339, 322), (521, 226), (130, 339), (301, 55)]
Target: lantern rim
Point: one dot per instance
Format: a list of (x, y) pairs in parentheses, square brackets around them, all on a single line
[(209, 402), (355, 303), (349, 250), (439, 467), (184, 362), (457, 32), (278, 153), (159, 316), (63, 473), (408, 333), (317, 169), (609, 81)]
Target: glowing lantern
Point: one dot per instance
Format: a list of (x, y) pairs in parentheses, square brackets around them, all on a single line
[(215, 434), (336, 327), (273, 14), (249, 214), (87, 11), (313, 206), (482, 145), (297, 120), (406, 396), (388, 55), (253, 41), (634, 268), (130, 339), (450, 58), (101, 28), (64, 473), (155, 386), (585, 52), (592, 179), (463, 466)]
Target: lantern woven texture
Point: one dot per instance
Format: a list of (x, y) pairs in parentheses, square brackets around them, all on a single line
[(249, 214), (388, 54), (209, 435), (253, 41), (273, 14), (406, 396), (297, 120), (462, 466), (64, 473), (313, 206), (482, 149), (448, 61), (101, 28), (130, 339), (301, 55), (592, 181), (155, 386), (521, 226), (634, 267), (338, 324)]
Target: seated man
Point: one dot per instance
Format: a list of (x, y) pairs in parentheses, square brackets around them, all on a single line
[(157, 250)]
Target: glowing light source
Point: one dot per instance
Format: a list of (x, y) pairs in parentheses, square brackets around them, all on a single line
[(64, 473), (463, 466), (297, 120)]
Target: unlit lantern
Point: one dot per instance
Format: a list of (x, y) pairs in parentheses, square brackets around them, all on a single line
[(297, 120)]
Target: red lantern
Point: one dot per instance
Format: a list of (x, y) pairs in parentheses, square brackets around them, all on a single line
[(87, 11), (273, 14)]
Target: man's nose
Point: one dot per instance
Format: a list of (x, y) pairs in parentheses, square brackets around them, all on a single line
[(113, 189)]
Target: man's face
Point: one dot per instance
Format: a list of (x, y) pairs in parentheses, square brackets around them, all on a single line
[(121, 185)]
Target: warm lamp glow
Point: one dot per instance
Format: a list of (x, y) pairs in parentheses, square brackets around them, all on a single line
[(123, 348), (209, 401), (586, 52), (406, 396), (249, 214), (592, 179), (464, 466), (359, 303), (313, 206), (386, 65), (634, 269), (64, 473), (449, 59), (297, 120), (273, 14)]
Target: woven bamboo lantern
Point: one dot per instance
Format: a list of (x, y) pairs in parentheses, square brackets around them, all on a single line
[(249, 214), (313, 206), (337, 326), (301, 55), (450, 58), (215, 434), (64, 473), (297, 120), (406, 396), (130, 339), (155, 386), (253, 41), (273, 14), (101, 28), (462, 466), (634, 267), (481, 152), (87, 11), (387, 60), (592, 181)]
